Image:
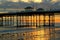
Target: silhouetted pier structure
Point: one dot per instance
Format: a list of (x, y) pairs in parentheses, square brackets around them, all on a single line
[(27, 19), (30, 20), (11, 19)]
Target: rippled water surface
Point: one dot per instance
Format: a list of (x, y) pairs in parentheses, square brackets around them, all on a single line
[(37, 34)]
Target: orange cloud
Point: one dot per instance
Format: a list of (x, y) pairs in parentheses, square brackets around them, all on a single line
[(54, 0), (13, 0), (28, 1)]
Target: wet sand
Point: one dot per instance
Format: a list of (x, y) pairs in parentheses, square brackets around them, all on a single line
[(42, 34)]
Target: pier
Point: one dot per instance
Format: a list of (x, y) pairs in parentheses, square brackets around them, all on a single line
[(31, 21)]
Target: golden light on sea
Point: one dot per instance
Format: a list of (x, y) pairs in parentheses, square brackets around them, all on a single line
[(35, 35)]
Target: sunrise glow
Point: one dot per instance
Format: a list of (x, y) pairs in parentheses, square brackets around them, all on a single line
[(54, 0), (13, 0), (36, 1), (28, 1)]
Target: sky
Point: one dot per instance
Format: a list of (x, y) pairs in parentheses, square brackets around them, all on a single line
[(25, 0), (30, 0)]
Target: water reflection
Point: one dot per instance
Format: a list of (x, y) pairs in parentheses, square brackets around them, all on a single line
[(38, 34)]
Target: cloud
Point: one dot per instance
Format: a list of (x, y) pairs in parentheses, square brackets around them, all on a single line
[(55, 1), (38, 1), (27, 1), (13, 0), (0, 3)]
